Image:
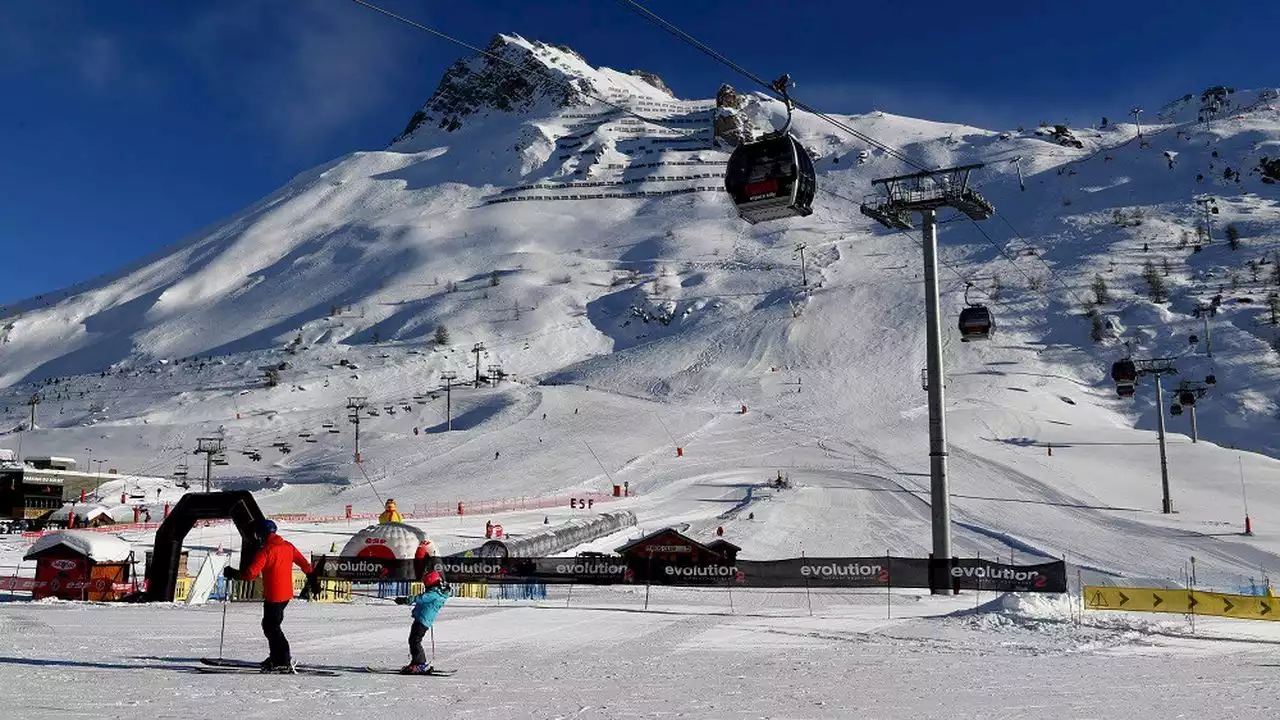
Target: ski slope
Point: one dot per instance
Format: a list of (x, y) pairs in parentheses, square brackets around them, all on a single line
[(628, 327)]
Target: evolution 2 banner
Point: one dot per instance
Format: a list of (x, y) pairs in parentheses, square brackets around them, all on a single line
[(845, 572)]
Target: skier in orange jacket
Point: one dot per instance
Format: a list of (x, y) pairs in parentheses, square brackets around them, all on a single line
[(274, 562)]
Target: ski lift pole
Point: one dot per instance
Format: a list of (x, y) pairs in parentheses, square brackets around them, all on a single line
[(1167, 504), (940, 495)]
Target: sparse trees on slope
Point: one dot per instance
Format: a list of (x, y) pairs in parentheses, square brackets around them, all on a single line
[(442, 335)]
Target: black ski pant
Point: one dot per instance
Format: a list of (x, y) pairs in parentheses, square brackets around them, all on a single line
[(416, 655), (272, 616)]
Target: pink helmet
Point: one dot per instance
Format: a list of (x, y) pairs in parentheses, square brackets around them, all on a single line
[(432, 578)]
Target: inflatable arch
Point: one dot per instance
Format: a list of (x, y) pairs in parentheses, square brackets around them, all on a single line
[(237, 506)]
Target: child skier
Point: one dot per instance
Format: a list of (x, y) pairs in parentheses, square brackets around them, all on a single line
[(425, 606)]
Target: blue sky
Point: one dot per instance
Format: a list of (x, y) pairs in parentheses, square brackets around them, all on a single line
[(128, 125)]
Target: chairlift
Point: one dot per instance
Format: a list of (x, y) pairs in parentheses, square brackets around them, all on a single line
[(1125, 390), (311, 440), (976, 322), (334, 430), (1187, 397), (772, 178), (1193, 339), (1124, 372), (1210, 379), (1175, 409), (326, 425), (304, 434)]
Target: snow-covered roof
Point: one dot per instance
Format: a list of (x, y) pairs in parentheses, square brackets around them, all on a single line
[(83, 511), (98, 547)]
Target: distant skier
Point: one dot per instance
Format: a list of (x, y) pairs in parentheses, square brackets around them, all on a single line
[(426, 605), (274, 562)]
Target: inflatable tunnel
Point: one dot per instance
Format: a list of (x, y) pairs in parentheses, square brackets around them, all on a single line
[(545, 543), (237, 506)]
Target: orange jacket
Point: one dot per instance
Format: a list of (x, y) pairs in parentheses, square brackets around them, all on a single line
[(275, 563)]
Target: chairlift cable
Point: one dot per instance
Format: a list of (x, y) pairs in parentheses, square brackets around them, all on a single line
[(1047, 266)]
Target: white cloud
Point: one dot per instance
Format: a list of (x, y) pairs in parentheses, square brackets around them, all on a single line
[(100, 63), (305, 69)]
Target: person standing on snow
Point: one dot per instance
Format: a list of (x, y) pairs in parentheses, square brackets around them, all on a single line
[(274, 562), (425, 607), (390, 514)]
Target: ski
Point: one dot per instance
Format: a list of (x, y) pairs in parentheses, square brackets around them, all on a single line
[(239, 670), (396, 671), (228, 665)]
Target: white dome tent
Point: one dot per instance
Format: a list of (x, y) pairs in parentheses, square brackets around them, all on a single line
[(390, 541)]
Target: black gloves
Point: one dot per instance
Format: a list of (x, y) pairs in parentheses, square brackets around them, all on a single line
[(231, 573), (402, 600)]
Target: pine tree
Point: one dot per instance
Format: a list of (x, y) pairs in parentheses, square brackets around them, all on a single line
[(1164, 266), (442, 335), (1095, 321), (1155, 284), (1254, 268), (494, 279), (1101, 294), (1233, 236)]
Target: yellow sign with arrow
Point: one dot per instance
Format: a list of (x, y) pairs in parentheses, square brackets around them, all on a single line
[(1181, 601)]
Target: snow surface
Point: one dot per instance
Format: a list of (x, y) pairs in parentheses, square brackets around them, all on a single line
[(632, 327), (98, 547), (599, 654)]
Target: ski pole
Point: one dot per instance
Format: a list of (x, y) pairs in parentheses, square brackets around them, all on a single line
[(226, 600)]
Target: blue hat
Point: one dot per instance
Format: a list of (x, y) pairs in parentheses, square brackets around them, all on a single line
[(265, 527)]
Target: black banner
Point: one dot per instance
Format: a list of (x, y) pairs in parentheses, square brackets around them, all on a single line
[(846, 572)]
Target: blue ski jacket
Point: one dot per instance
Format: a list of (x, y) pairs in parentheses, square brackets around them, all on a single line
[(427, 604)]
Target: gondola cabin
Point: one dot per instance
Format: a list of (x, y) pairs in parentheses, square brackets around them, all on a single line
[(770, 179), (1175, 409), (976, 323), (1124, 372)]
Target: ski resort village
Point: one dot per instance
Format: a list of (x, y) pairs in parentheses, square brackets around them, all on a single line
[(579, 399)]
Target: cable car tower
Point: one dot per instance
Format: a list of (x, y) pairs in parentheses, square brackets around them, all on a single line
[(1125, 372), (924, 193)]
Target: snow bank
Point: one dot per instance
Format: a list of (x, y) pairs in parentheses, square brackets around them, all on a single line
[(95, 546)]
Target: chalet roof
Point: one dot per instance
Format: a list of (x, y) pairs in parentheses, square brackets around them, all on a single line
[(663, 531)]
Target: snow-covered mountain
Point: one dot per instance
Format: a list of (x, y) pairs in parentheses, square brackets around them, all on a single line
[(598, 261)]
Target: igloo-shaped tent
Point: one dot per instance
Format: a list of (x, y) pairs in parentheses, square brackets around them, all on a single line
[(390, 541)]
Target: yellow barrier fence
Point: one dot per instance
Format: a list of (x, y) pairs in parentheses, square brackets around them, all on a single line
[(331, 591), (466, 590), (1182, 602)]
